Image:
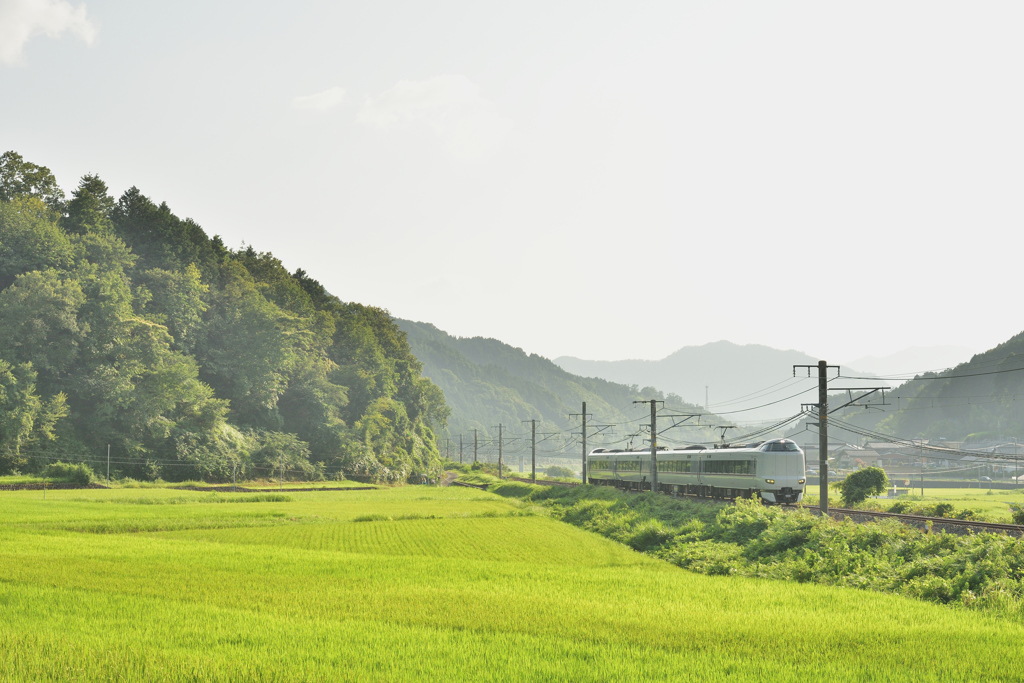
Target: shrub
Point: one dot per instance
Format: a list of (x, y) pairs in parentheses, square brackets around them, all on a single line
[(1017, 513), (79, 473), (944, 510), (869, 481), (559, 471)]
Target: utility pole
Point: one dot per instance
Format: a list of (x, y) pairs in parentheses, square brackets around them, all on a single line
[(922, 477), (533, 449), (234, 473), (280, 482), (583, 417), (823, 435), (654, 442), (706, 398), (474, 446), (448, 447), (499, 451), (823, 367), (654, 446), (460, 449), (108, 464)]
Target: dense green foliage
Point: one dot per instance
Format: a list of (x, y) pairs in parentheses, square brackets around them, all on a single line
[(867, 481), (559, 471), (445, 585), (122, 324), (983, 571), (77, 473)]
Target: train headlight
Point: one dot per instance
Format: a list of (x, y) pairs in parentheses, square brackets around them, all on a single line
[(801, 481), (770, 481)]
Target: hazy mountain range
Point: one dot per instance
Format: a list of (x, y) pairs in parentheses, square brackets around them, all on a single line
[(723, 375)]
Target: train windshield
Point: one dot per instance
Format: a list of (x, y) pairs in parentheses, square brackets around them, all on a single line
[(781, 446)]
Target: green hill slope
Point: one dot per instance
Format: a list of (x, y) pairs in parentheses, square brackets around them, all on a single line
[(980, 402), (486, 381)]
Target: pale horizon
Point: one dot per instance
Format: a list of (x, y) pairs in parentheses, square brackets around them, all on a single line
[(604, 181)]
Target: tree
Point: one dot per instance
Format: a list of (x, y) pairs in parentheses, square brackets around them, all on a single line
[(857, 486), (276, 450), (30, 240), (20, 178), (246, 348), (39, 322), (24, 417), (90, 207), (176, 301)]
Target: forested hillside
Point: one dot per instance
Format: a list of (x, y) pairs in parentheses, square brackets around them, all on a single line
[(486, 381), (123, 324), (982, 397)]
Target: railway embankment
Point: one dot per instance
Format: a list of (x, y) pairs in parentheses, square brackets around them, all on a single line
[(924, 523), (945, 562)]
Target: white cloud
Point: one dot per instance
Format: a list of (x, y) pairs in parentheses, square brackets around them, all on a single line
[(321, 101), (22, 20), (450, 106)]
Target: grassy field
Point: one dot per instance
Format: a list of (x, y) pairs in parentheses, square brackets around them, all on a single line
[(262, 484), (424, 584)]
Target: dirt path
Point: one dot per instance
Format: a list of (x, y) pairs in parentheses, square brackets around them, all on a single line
[(449, 477)]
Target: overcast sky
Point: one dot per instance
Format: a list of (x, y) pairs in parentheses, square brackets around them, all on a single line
[(599, 179)]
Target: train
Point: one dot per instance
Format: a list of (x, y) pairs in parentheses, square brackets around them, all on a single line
[(774, 470)]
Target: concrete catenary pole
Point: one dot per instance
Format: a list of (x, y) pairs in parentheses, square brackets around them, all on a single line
[(823, 436), (584, 417), (474, 445), (499, 452), (654, 446), (533, 451), (460, 449)]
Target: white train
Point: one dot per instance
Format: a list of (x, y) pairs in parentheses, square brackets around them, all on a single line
[(773, 469)]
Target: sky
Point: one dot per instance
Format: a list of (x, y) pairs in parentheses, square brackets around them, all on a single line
[(604, 180)]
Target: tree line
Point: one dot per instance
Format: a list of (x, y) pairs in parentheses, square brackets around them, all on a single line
[(123, 324)]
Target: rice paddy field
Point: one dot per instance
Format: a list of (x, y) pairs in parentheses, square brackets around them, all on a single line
[(420, 583)]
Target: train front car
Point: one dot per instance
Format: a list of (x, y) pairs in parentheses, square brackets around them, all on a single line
[(780, 467)]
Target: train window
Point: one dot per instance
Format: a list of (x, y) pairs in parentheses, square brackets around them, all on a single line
[(674, 466), (729, 466)]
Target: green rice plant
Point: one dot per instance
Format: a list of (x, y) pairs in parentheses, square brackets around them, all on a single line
[(227, 593)]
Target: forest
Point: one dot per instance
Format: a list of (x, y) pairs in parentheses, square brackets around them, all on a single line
[(122, 324)]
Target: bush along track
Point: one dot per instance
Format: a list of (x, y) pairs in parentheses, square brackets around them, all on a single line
[(978, 571)]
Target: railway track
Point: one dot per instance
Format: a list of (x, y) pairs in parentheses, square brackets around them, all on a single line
[(937, 523), (942, 522)]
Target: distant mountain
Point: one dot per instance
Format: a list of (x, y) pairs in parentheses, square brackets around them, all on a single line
[(725, 370), (916, 359), (486, 382)]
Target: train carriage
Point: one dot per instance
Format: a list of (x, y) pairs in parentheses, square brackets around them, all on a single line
[(773, 469)]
